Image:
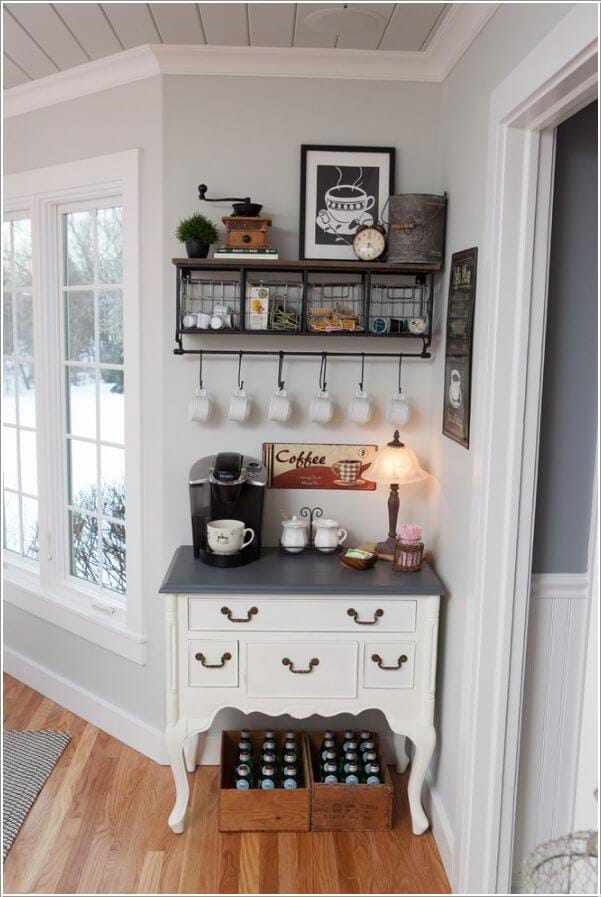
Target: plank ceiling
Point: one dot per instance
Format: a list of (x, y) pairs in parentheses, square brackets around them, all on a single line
[(44, 38)]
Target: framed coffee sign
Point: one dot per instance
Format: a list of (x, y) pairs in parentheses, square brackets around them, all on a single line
[(294, 465), (341, 189), (458, 358)]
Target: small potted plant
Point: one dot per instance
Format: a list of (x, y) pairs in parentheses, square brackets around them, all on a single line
[(197, 232)]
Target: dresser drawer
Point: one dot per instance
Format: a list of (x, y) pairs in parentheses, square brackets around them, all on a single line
[(212, 663), (288, 669), (389, 665), (317, 615)]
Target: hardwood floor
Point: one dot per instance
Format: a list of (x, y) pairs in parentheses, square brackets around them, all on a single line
[(99, 826)]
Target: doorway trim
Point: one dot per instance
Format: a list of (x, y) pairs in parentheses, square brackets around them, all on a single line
[(556, 80)]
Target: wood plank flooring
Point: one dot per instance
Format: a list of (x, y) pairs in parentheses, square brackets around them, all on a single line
[(99, 826)]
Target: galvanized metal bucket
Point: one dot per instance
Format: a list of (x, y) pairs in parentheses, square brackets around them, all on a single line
[(416, 228)]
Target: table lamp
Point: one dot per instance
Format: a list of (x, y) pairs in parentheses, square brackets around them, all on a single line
[(396, 465)]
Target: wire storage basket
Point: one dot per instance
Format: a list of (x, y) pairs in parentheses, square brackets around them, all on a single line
[(399, 308), (335, 307), (209, 304), (274, 305), (566, 865)]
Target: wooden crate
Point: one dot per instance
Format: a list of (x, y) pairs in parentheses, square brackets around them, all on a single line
[(255, 810), (348, 808)]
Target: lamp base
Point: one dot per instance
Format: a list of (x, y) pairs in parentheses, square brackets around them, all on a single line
[(386, 547)]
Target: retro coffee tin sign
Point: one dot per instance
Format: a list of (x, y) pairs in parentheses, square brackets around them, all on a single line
[(296, 465)]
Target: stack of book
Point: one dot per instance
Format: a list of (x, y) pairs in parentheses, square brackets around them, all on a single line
[(233, 254)]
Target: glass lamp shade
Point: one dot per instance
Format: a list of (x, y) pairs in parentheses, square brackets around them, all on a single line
[(396, 463)]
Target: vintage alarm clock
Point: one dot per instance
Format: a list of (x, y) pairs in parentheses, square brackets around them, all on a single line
[(369, 242)]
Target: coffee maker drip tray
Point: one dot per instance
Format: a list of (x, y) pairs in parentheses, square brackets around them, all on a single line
[(246, 556)]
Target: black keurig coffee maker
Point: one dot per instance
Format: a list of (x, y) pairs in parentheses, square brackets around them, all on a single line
[(227, 486)]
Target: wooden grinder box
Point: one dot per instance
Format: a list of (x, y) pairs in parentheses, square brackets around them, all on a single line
[(348, 808), (256, 810)]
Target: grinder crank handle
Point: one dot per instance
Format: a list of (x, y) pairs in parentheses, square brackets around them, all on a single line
[(202, 191)]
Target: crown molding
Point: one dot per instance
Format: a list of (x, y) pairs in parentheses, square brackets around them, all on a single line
[(457, 31)]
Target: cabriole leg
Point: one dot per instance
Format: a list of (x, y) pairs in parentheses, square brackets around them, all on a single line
[(175, 748), (191, 751), (424, 739), (400, 751)]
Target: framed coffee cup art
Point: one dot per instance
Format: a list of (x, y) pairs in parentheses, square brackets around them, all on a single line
[(341, 188)]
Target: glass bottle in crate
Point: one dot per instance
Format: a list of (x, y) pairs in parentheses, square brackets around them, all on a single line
[(369, 757), (328, 736), (367, 745), (329, 756), (372, 774), (266, 779), (243, 777), (289, 777), (329, 773), (364, 738), (268, 745), (347, 738), (350, 757), (291, 747), (351, 774)]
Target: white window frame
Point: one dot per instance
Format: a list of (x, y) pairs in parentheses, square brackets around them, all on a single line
[(54, 594)]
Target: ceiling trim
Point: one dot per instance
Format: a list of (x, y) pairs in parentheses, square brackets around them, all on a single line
[(457, 31)]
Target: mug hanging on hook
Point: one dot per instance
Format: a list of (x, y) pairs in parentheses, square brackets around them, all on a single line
[(397, 410), (322, 408), (360, 408), (199, 407), (280, 406), (240, 403)]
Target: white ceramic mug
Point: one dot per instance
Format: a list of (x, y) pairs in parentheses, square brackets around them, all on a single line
[(327, 535), (322, 408), (190, 320), (280, 406), (239, 406), (200, 405), (360, 407), (397, 410), (227, 536), (203, 320)]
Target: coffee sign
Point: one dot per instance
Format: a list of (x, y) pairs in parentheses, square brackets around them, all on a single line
[(295, 465)]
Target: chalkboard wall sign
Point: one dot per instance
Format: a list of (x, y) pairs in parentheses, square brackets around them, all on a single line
[(458, 358)]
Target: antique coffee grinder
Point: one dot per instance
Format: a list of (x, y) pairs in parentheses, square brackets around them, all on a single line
[(245, 228)]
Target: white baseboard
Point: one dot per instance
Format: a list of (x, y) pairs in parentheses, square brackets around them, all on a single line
[(121, 725), (440, 825)]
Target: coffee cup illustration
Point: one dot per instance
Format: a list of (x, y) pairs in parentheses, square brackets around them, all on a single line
[(346, 202), (347, 471), (455, 396)]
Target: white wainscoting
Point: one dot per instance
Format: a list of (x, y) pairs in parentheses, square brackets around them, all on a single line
[(556, 656)]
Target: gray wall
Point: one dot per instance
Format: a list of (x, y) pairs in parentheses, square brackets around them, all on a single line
[(569, 405)]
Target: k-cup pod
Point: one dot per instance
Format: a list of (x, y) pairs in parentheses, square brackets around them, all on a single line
[(203, 320)]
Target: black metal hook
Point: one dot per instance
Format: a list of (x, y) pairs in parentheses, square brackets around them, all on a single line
[(281, 382), (400, 364), (362, 371), (323, 371), (200, 370), (240, 382)]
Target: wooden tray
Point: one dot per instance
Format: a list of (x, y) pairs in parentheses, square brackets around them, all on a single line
[(348, 808), (255, 810)]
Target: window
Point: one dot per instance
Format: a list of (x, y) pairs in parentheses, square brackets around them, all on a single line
[(92, 292), (20, 490), (71, 257)]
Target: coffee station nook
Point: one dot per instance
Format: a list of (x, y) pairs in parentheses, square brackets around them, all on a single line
[(317, 624)]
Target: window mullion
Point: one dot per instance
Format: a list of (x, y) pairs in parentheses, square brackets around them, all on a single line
[(98, 445)]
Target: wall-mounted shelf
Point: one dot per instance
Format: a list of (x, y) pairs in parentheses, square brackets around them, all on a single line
[(303, 298)]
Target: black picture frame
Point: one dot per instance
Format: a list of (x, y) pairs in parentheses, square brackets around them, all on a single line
[(459, 344), (339, 246)]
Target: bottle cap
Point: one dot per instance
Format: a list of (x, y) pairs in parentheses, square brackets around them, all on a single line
[(268, 770), (290, 735), (243, 769)]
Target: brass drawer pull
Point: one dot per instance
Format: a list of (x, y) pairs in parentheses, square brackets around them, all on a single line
[(354, 614), (213, 666), (314, 662), (249, 615), (377, 659)]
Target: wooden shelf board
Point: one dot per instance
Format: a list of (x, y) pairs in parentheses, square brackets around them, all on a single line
[(309, 264)]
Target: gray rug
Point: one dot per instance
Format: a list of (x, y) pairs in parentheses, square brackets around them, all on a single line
[(29, 758)]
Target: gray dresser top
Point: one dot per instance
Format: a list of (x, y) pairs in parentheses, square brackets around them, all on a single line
[(276, 572)]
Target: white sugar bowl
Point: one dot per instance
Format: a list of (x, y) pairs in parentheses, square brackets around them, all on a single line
[(294, 536), (328, 535)]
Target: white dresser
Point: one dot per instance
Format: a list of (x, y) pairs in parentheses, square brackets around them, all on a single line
[(300, 635)]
